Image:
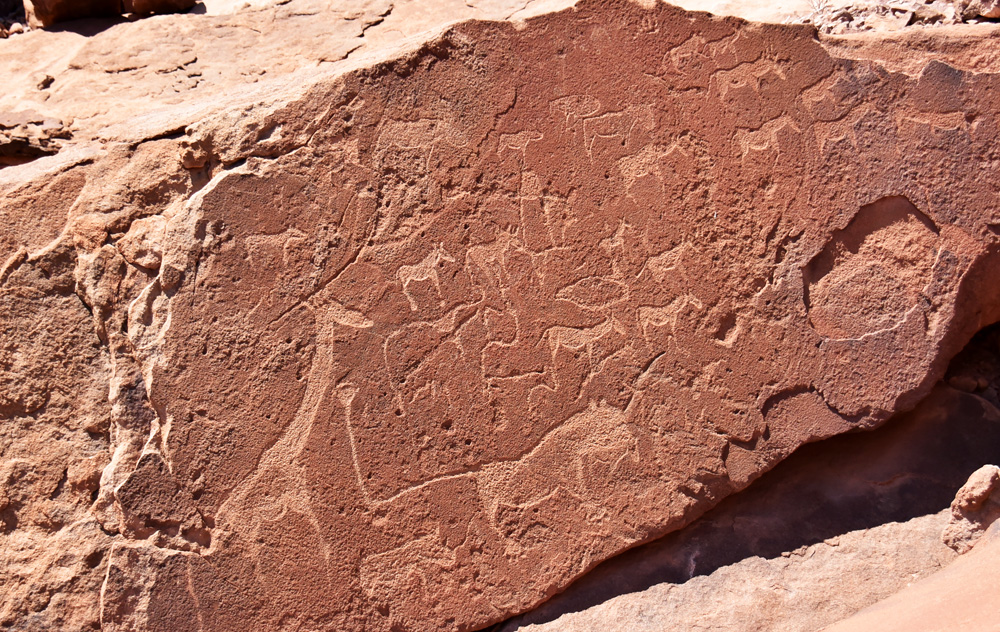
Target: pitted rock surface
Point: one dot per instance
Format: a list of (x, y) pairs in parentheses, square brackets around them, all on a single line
[(412, 342)]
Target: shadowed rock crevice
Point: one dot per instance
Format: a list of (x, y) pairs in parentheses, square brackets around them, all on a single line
[(910, 467)]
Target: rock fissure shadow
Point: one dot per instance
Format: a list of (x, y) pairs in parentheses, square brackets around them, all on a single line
[(87, 27), (910, 467), (91, 25)]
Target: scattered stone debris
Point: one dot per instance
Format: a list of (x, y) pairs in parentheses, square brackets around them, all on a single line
[(12, 19), (890, 15)]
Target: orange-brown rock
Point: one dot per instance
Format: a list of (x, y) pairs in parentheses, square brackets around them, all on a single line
[(409, 342), (25, 136)]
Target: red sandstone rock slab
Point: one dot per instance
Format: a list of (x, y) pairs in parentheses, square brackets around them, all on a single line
[(128, 81), (493, 329), (416, 344)]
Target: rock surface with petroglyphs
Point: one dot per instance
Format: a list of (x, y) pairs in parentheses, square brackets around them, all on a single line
[(405, 321), (837, 527)]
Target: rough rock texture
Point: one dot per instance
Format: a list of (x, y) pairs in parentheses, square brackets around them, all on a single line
[(131, 81), (411, 343), (869, 15), (965, 596), (910, 467), (25, 136), (975, 508), (967, 47), (800, 591), (57, 369)]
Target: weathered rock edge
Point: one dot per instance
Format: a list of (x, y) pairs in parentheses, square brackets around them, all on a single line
[(417, 349)]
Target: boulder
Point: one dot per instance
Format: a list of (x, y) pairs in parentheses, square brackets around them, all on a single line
[(513, 329), (974, 509), (42, 13), (426, 329), (972, 9)]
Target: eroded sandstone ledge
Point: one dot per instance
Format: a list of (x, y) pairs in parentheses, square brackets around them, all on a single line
[(416, 343)]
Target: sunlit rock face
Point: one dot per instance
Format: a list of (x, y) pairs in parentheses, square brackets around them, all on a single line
[(420, 344)]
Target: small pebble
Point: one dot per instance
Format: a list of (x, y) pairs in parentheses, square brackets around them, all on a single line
[(964, 383)]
